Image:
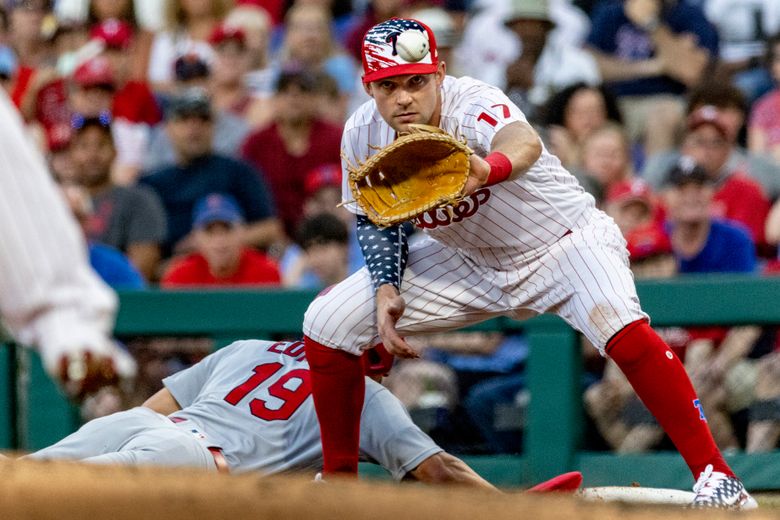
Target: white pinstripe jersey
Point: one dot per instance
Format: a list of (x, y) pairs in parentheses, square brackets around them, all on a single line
[(49, 295), (498, 225)]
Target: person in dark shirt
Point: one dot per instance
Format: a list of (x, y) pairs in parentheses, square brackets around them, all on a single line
[(649, 52), (199, 172), (110, 264), (128, 218), (701, 243)]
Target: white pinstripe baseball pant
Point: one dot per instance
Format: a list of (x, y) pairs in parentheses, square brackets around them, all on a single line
[(584, 278)]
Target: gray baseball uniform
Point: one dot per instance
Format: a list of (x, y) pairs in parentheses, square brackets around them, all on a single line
[(252, 400)]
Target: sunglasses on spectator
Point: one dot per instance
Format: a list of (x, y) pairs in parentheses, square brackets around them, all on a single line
[(78, 121)]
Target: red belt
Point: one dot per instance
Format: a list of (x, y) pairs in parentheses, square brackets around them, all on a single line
[(219, 459)]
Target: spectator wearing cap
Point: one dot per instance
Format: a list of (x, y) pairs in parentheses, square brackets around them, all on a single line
[(220, 257), (649, 52), (631, 204), (733, 109), (636, 211), (700, 242), (230, 130), (93, 88), (128, 218), (295, 143), (109, 263), (199, 171), (545, 65), (737, 196), (188, 26), (228, 87)]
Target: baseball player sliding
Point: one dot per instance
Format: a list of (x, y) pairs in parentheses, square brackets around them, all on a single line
[(526, 240), (247, 408), (49, 295)]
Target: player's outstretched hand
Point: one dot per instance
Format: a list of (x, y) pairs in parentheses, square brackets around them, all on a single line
[(389, 309), (82, 372), (478, 174)]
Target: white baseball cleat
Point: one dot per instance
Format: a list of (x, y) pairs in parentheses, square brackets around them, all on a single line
[(718, 490)]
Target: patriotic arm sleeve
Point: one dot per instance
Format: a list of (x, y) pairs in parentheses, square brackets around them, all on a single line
[(385, 251)]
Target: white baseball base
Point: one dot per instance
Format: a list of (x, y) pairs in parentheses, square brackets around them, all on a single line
[(636, 495)]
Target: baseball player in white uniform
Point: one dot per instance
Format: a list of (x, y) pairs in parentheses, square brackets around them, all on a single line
[(49, 295), (526, 239), (247, 407)]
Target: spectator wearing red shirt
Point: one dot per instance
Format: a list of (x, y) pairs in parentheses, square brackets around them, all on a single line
[(737, 197), (220, 259), (294, 144)]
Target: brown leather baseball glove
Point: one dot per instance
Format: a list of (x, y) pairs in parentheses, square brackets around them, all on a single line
[(421, 170)]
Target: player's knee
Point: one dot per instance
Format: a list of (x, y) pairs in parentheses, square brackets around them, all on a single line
[(316, 314)]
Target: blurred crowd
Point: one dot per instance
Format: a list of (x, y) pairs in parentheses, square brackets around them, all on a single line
[(197, 143)]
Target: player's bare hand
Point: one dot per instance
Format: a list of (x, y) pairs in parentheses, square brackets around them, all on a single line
[(478, 174), (389, 309)]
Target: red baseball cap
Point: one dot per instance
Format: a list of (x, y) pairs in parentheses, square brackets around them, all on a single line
[(320, 177), (380, 57), (635, 190), (647, 241), (224, 32), (708, 115), (94, 72), (116, 34)]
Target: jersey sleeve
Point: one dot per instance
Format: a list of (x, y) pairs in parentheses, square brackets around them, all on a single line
[(389, 437), (186, 385), (488, 110)]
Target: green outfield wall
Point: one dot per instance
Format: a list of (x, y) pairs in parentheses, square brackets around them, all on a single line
[(33, 413)]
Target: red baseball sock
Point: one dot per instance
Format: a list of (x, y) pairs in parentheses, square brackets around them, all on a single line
[(338, 389), (660, 381)]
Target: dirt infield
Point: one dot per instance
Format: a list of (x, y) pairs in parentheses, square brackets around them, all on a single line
[(65, 491)]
